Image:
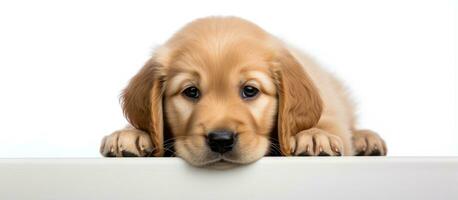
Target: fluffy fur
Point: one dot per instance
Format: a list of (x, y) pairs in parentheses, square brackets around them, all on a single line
[(301, 110)]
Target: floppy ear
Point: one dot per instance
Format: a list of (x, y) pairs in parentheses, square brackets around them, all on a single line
[(142, 103), (300, 105)]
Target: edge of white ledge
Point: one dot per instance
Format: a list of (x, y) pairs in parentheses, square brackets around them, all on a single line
[(269, 178), (265, 160)]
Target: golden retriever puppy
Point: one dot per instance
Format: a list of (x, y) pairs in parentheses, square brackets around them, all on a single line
[(223, 90)]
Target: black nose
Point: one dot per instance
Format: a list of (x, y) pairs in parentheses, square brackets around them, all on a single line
[(221, 141)]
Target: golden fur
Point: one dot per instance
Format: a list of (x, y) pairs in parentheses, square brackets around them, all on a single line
[(301, 108)]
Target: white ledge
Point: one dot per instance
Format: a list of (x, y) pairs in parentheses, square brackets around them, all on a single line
[(277, 178)]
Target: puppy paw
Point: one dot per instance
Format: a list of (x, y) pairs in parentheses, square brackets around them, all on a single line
[(368, 143), (127, 142), (316, 142)]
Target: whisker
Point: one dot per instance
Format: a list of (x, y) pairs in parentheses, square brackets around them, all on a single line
[(168, 145), (274, 147)]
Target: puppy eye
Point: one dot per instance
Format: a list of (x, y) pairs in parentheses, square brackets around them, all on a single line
[(192, 93), (249, 92)]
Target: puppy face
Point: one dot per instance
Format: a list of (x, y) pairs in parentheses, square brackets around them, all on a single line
[(221, 86), (228, 93)]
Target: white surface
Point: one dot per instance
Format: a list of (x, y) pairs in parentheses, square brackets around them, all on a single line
[(270, 178), (64, 63)]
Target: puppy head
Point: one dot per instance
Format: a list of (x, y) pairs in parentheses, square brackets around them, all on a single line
[(223, 84)]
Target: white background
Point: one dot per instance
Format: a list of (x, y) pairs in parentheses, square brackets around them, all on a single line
[(63, 65)]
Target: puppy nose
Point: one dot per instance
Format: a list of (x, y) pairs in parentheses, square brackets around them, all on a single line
[(221, 141)]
